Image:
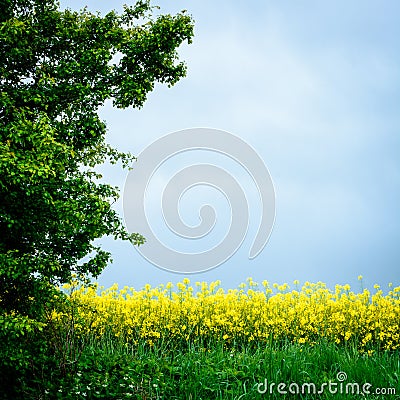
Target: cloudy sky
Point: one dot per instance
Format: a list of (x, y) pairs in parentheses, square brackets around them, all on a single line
[(314, 88)]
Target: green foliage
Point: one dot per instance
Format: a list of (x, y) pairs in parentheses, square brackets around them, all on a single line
[(22, 354), (57, 68), (110, 369)]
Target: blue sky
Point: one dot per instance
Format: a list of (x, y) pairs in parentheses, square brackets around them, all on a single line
[(314, 88)]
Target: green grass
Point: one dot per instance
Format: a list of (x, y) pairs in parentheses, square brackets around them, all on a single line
[(109, 369)]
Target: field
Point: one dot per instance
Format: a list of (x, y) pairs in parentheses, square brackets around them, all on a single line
[(200, 342)]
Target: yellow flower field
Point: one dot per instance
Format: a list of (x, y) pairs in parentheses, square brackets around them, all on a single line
[(251, 313)]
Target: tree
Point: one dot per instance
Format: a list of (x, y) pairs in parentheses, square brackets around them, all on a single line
[(57, 68)]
